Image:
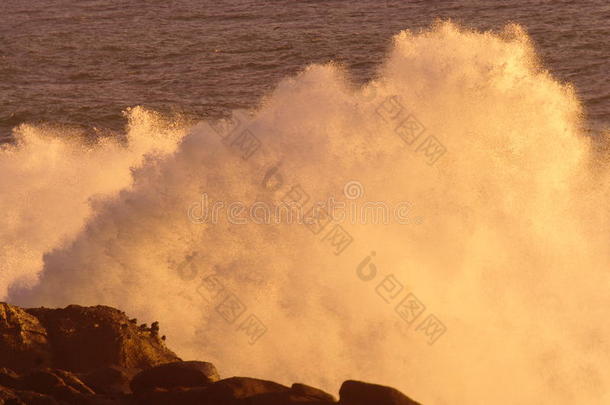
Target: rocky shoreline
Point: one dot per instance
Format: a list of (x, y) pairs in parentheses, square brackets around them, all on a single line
[(97, 355)]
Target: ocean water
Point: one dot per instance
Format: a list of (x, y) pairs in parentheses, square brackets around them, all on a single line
[(81, 63), (148, 146)]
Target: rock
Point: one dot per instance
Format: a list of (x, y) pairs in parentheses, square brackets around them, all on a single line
[(65, 387), (58, 384), (206, 396), (23, 340), (97, 356), (108, 380), (190, 396), (242, 387), (154, 328), (173, 375), (9, 379), (361, 393), (42, 381), (16, 397), (285, 398), (87, 338), (230, 391), (307, 391), (7, 394), (72, 381)]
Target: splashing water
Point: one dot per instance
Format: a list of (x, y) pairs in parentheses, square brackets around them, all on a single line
[(511, 255)]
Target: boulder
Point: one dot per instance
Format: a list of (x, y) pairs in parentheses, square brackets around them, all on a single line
[(63, 387), (203, 396), (97, 356), (311, 392), (42, 381), (242, 387), (58, 384), (361, 393), (16, 397), (184, 374), (9, 379), (182, 396), (230, 391), (87, 338), (23, 340), (284, 398), (108, 380), (71, 380), (7, 394)]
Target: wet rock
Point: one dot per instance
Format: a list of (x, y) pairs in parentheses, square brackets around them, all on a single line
[(23, 340), (185, 396), (9, 379), (230, 391), (154, 328), (16, 397), (108, 380), (284, 398), (88, 338), (361, 393), (97, 356), (59, 384), (174, 375), (42, 381), (72, 381), (65, 388), (311, 392), (242, 387)]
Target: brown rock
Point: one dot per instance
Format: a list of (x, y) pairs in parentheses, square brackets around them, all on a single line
[(230, 391), (204, 396), (285, 398), (9, 379), (187, 396), (243, 387), (59, 384), (307, 391), (184, 374), (16, 397), (23, 340), (7, 394), (63, 387), (88, 338), (95, 351), (42, 381), (361, 393), (72, 381), (108, 380)]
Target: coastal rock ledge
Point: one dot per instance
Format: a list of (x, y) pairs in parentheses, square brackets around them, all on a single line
[(98, 356)]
